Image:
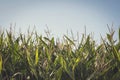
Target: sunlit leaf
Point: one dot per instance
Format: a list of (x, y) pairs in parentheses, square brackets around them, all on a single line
[(1, 62), (36, 56)]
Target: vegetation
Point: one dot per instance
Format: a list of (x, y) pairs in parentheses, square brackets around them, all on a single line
[(34, 57)]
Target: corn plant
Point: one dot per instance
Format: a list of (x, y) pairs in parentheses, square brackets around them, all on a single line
[(36, 57)]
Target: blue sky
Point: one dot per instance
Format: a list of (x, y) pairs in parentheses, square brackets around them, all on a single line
[(61, 15)]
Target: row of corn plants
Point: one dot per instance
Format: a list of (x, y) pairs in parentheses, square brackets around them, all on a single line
[(34, 57)]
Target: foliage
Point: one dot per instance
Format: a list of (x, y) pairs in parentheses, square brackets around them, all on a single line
[(34, 57)]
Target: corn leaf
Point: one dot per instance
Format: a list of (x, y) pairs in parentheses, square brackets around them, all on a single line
[(36, 56), (1, 63), (71, 42)]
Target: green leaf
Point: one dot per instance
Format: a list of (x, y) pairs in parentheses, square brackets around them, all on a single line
[(116, 54), (47, 39), (43, 42), (52, 41), (1, 63), (71, 42), (28, 57), (76, 63), (109, 38), (59, 73), (36, 56)]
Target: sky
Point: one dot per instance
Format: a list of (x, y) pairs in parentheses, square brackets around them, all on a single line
[(61, 16)]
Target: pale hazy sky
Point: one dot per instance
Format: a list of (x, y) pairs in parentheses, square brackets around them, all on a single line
[(61, 15)]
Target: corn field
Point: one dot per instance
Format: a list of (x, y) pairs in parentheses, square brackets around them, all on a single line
[(34, 57)]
